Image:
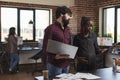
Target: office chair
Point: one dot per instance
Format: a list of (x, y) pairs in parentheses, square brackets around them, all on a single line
[(1, 68), (35, 58), (4, 58)]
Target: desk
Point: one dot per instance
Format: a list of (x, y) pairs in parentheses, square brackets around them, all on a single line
[(109, 60), (26, 52), (106, 74)]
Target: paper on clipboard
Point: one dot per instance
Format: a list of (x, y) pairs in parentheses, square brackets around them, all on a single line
[(19, 40), (61, 48)]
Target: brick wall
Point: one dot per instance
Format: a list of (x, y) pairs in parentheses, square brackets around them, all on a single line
[(89, 8), (81, 8)]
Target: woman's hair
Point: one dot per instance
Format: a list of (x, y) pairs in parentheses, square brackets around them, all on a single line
[(84, 22), (62, 10), (12, 31)]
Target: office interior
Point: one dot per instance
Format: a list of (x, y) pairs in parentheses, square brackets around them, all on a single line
[(32, 14)]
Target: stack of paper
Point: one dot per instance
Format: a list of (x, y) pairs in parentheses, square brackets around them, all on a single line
[(77, 76), (39, 78)]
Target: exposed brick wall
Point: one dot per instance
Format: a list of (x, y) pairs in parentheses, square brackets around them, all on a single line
[(73, 22), (85, 8), (102, 3), (90, 8), (81, 8)]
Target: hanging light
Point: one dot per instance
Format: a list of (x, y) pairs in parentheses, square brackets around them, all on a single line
[(30, 22)]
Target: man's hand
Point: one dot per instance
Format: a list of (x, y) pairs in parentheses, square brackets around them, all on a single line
[(61, 56)]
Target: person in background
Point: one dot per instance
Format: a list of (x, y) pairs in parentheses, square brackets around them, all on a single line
[(86, 40), (12, 47), (58, 31)]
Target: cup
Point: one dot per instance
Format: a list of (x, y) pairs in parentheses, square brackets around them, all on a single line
[(45, 74)]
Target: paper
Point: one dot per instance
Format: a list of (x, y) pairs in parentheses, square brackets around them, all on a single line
[(77, 76), (61, 48), (19, 40), (104, 41), (86, 76), (39, 78)]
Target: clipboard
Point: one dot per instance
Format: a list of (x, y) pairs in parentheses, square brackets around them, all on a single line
[(57, 47)]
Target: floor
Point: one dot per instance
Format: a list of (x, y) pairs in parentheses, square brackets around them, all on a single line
[(19, 76), (23, 74)]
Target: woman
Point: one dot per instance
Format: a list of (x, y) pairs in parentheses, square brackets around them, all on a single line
[(86, 40), (12, 47)]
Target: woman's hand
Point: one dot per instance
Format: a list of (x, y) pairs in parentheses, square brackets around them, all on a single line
[(83, 59), (61, 56), (104, 50)]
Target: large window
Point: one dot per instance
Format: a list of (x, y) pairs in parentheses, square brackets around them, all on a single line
[(118, 24), (41, 21), (111, 25), (29, 23), (8, 19), (25, 29)]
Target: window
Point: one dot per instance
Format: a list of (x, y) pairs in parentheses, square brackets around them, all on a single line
[(29, 23), (42, 22), (25, 29), (118, 24), (8, 19), (111, 25)]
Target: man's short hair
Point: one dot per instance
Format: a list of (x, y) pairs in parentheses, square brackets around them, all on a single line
[(63, 10)]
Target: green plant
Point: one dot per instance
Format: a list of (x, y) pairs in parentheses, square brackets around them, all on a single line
[(98, 34), (109, 35), (105, 35), (93, 26), (6, 39)]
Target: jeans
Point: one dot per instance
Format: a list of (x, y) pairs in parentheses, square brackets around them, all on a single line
[(83, 67), (53, 70), (14, 59)]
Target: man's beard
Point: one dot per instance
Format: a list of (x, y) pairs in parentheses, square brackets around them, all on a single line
[(64, 21)]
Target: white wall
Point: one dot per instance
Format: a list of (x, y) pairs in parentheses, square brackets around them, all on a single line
[(46, 2), (25, 55)]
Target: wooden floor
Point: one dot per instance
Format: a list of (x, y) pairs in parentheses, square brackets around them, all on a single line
[(23, 74), (19, 76)]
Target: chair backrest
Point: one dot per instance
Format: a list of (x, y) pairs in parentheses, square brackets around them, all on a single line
[(38, 55)]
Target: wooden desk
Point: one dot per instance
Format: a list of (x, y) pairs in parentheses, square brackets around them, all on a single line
[(106, 74)]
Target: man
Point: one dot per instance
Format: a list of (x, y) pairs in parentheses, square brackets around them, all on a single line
[(58, 31)]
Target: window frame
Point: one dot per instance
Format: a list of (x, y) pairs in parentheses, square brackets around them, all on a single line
[(34, 25), (115, 22)]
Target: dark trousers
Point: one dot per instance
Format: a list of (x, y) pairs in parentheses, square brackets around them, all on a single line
[(83, 67)]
